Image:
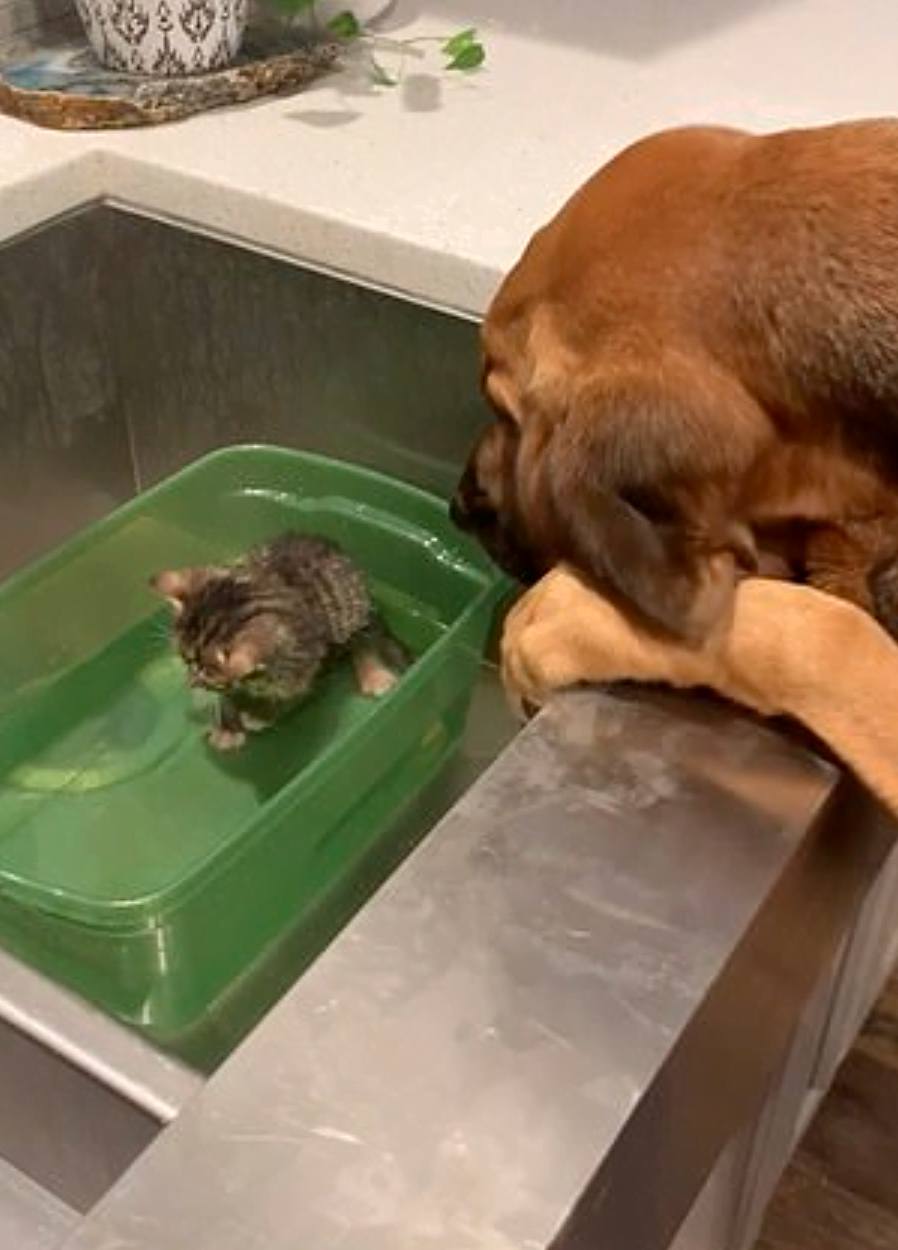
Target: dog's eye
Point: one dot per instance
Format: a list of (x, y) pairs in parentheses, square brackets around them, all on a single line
[(485, 519), (479, 503)]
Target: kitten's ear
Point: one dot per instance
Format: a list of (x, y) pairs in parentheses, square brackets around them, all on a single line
[(242, 659), (176, 585)]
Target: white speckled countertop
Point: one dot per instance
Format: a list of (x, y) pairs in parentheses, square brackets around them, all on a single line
[(434, 188), (432, 191)]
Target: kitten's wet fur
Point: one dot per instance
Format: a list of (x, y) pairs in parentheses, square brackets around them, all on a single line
[(259, 632)]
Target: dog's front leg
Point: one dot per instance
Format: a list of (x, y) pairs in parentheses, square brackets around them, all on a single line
[(788, 650), (562, 633)]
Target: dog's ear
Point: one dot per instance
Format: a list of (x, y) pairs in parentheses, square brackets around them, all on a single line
[(618, 464), (649, 564)]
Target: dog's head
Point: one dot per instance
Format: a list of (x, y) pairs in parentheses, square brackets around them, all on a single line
[(487, 502), (617, 437), (539, 489), (501, 497)]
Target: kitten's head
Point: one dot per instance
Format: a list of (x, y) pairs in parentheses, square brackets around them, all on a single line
[(222, 629)]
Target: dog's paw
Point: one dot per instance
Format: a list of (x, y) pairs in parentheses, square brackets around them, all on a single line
[(563, 633), (527, 679), (542, 651)]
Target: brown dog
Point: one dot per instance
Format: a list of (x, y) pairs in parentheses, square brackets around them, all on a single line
[(696, 362), (788, 650)]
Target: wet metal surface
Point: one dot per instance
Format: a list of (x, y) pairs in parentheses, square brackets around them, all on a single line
[(30, 1218), (468, 1054), (129, 347)]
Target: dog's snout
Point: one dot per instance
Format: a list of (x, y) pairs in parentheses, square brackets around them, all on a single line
[(458, 511), (466, 505)]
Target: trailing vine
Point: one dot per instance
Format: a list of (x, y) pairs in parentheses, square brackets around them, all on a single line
[(462, 52)]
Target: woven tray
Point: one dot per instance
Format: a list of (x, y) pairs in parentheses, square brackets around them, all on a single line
[(64, 87)]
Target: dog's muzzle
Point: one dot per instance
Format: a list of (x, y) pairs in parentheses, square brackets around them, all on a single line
[(459, 514)]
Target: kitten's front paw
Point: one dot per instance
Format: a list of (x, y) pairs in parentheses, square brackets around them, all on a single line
[(222, 739), (373, 678), (378, 682)]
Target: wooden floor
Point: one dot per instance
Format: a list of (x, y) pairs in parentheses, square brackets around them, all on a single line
[(841, 1190)]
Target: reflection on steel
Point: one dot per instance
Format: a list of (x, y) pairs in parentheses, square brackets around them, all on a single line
[(82, 1097), (580, 984)]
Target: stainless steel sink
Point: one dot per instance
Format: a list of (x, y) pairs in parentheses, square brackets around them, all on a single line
[(127, 348), (81, 1096), (31, 1218), (605, 908)]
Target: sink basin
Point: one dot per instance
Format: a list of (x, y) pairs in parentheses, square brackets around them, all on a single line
[(129, 348), (29, 1216)]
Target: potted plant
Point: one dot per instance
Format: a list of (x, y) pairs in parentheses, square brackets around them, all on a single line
[(164, 38), (175, 38)]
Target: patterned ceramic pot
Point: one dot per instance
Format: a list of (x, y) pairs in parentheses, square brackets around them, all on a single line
[(164, 38)]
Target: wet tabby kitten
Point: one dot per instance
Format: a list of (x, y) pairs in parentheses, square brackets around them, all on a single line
[(260, 631)]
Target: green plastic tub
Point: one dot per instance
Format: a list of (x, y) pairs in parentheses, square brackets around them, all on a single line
[(139, 867)]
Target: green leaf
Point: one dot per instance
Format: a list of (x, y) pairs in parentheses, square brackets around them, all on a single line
[(468, 58), (345, 25), (459, 42), (380, 75)]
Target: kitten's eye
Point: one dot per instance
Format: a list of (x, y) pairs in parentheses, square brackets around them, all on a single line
[(220, 657)]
